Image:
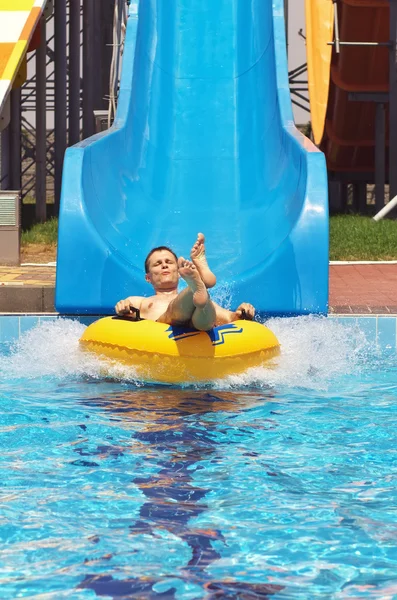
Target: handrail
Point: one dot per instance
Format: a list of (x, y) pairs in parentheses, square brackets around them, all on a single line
[(337, 43)]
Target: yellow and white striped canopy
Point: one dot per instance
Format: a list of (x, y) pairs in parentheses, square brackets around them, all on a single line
[(18, 20)]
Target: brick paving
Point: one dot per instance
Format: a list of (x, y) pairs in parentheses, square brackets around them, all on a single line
[(353, 288), (363, 288), (27, 276)]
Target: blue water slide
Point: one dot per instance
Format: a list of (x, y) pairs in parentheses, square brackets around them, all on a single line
[(203, 140)]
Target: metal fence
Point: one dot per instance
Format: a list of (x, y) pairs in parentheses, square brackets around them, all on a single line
[(55, 106)]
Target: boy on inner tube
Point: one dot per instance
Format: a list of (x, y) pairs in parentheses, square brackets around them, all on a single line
[(190, 308)]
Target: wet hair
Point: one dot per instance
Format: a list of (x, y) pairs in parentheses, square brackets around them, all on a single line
[(156, 250)]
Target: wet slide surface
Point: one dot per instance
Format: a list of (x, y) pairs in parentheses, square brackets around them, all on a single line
[(203, 140), (343, 129), (18, 21)]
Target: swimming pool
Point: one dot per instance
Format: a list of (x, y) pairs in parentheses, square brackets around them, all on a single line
[(277, 484)]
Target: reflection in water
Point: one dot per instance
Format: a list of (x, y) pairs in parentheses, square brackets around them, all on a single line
[(164, 428)]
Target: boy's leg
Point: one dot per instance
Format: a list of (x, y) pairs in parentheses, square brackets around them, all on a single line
[(180, 310), (204, 319), (199, 259), (192, 305)]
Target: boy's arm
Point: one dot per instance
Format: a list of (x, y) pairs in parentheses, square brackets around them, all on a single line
[(224, 316)]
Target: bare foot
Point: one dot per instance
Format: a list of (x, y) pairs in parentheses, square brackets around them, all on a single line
[(197, 254), (190, 274)]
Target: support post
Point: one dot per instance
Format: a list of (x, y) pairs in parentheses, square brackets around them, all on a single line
[(117, 65), (360, 196), (393, 100), (89, 73), (60, 95), (336, 27), (15, 140), (106, 51), (335, 197), (344, 188), (286, 15), (96, 27), (5, 158), (74, 72), (41, 126), (380, 156)]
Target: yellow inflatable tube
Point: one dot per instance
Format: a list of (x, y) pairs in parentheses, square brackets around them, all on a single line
[(166, 354)]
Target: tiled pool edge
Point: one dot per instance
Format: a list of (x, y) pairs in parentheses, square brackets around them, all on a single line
[(13, 325), (380, 329)]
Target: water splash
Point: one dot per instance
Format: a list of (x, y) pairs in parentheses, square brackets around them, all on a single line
[(223, 295), (314, 352), (52, 350)]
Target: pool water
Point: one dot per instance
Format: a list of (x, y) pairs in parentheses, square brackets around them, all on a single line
[(280, 483)]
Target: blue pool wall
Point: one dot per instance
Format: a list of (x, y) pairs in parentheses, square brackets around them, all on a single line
[(379, 329)]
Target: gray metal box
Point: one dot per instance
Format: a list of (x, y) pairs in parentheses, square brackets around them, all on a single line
[(10, 228), (101, 120)]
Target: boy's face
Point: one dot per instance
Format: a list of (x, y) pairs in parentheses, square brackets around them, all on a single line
[(163, 270)]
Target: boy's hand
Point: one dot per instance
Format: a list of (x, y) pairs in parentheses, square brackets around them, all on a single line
[(249, 311), (123, 307)]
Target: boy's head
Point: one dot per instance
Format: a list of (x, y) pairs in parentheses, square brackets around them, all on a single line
[(158, 249), (161, 267)]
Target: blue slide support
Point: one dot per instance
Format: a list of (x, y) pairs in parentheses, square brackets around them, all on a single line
[(203, 140)]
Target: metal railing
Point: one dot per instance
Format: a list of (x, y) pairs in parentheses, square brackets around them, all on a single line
[(338, 43), (57, 104)]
